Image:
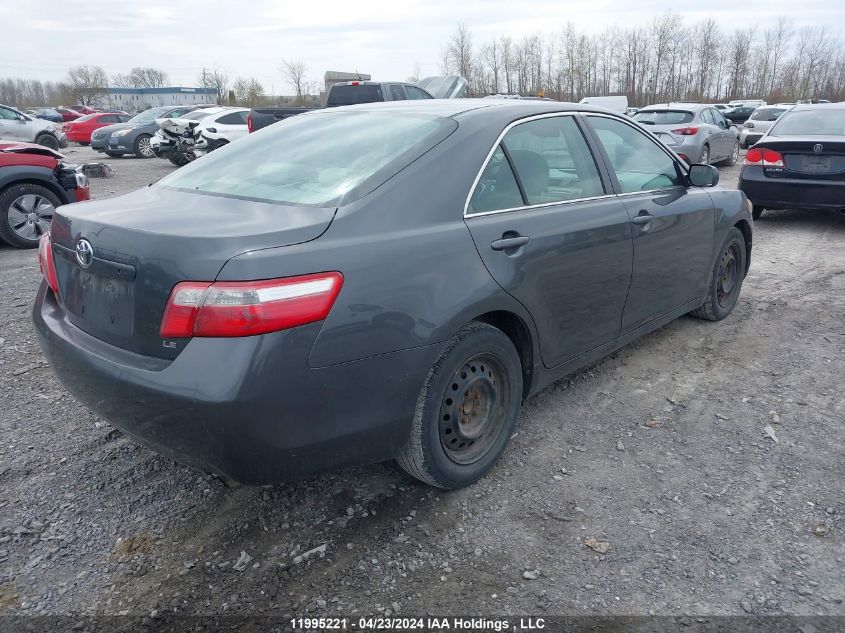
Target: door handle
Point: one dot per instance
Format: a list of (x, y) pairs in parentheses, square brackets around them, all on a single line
[(643, 218), (509, 243)]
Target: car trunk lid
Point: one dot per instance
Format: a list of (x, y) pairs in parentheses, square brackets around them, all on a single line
[(808, 157), (117, 260)]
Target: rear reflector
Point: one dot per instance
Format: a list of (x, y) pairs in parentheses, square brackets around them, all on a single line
[(247, 308), (47, 264), (764, 157)]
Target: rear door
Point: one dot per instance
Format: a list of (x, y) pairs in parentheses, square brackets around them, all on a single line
[(715, 134), (11, 127), (553, 235), (672, 224), (397, 92)]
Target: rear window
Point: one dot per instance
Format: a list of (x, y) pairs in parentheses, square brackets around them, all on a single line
[(326, 158), (349, 95), (822, 122), (663, 117)]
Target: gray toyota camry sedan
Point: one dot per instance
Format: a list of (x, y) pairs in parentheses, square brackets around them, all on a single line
[(384, 281)]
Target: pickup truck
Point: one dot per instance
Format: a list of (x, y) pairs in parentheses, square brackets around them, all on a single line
[(353, 92)]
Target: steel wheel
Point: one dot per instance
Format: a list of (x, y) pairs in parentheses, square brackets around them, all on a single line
[(30, 216), (473, 409), (728, 275)]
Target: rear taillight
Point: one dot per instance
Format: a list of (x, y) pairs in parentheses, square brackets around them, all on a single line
[(249, 122), (764, 157), (686, 131), (47, 264), (247, 308)]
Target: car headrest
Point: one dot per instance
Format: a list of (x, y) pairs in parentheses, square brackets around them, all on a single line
[(533, 170)]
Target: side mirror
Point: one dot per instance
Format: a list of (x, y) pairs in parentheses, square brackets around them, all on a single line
[(703, 175)]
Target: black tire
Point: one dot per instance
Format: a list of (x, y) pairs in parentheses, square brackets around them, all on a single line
[(142, 147), (704, 157), (178, 159), (756, 211), (113, 154), (10, 216), (731, 161), (220, 143), (47, 140), (726, 278), (84, 143), (481, 364)]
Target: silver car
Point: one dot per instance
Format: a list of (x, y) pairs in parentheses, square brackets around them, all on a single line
[(17, 126), (697, 132), (759, 123)]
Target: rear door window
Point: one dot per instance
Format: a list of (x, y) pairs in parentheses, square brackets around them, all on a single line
[(233, 118), (416, 93), (496, 189), (397, 92), (707, 116), (640, 164)]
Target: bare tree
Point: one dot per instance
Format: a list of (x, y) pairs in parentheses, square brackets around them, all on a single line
[(216, 78), (248, 91), (141, 77), (459, 52), (294, 71), (415, 75), (88, 83)]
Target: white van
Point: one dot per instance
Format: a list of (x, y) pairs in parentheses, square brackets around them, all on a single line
[(747, 103), (619, 103)]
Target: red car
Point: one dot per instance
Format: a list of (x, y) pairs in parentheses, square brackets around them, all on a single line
[(33, 182), (68, 114), (83, 109), (81, 129)]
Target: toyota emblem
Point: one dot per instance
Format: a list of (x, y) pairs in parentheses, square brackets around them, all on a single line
[(84, 253), (818, 147)]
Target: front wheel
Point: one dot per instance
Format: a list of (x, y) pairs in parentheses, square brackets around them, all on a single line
[(467, 409), (143, 148), (725, 279)]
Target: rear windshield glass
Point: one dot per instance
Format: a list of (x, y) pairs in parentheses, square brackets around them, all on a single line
[(767, 114), (322, 159), (663, 117), (87, 117), (811, 123), (350, 95)]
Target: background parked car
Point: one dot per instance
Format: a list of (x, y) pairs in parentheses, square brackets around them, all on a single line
[(221, 128), (83, 109), (697, 132), (17, 126), (739, 114), (68, 114), (80, 130), (799, 163), (758, 124), (133, 137), (617, 103), (48, 114), (33, 182)]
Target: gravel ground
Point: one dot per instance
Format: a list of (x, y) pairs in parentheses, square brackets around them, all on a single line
[(644, 484)]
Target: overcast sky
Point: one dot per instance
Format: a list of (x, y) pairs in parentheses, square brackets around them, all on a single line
[(386, 38)]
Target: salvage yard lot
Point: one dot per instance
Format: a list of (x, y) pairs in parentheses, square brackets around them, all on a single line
[(658, 453)]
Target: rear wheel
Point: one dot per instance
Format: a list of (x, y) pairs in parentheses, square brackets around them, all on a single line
[(757, 211), (466, 410), (731, 161), (725, 279), (704, 158), (143, 148), (26, 211), (47, 140)]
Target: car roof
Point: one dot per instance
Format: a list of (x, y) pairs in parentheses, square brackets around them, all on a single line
[(677, 105), (818, 106), (465, 107)]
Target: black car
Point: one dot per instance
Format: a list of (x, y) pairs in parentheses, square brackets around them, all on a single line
[(384, 281), (800, 162), (738, 115)]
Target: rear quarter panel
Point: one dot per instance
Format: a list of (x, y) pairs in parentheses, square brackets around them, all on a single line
[(731, 208)]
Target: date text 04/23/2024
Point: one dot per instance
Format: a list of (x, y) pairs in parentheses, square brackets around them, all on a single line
[(417, 624)]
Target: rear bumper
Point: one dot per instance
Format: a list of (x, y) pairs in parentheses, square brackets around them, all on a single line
[(247, 408), (747, 137), (790, 193)]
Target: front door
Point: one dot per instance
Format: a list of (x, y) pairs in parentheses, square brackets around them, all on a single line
[(552, 236), (673, 225)]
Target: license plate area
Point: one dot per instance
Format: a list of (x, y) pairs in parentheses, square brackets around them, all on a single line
[(100, 299), (816, 164)]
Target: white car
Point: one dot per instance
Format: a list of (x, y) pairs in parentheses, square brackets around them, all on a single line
[(222, 126)]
